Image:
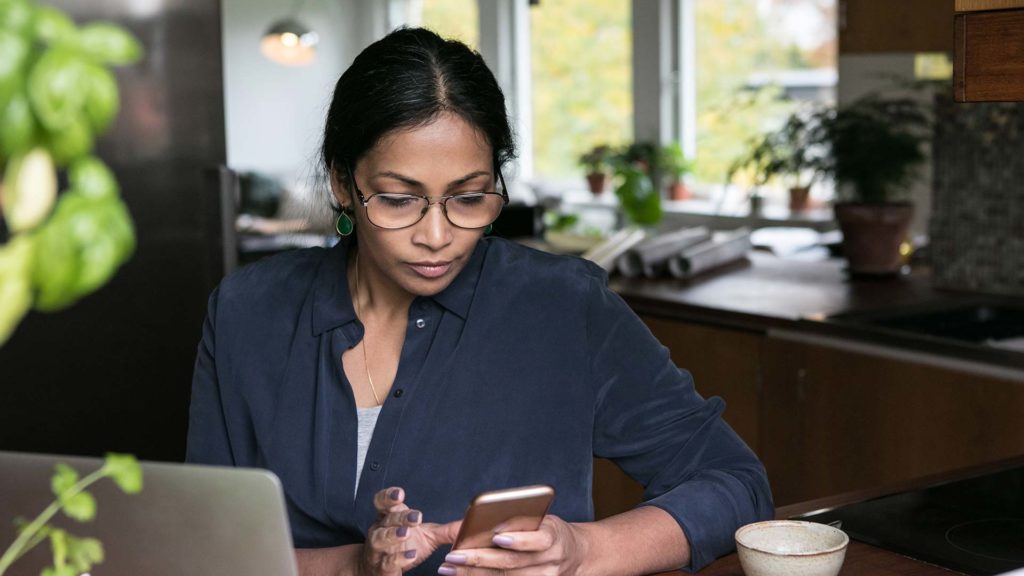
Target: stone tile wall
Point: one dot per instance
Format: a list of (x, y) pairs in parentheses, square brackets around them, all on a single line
[(977, 223)]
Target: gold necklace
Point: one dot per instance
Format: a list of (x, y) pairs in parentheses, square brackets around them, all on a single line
[(366, 364)]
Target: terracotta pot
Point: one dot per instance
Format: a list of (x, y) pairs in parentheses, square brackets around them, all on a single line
[(872, 235), (598, 182), (798, 198), (679, 191)]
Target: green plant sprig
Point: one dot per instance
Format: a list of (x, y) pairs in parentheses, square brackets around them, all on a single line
[(73, 555)]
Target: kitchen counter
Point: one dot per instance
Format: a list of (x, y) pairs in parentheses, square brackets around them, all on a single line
[(767, 294)]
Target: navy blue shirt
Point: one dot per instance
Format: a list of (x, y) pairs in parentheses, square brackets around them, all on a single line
[(519, 372)]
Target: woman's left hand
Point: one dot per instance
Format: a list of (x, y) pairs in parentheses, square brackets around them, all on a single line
[(557, 547)]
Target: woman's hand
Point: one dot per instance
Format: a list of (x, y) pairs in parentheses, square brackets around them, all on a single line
[(557, 547), (399, 540)]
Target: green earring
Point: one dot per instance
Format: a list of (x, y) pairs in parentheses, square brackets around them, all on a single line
[(488, 228), (345, 225)]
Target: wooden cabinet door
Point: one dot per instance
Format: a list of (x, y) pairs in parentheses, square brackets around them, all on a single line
[(838, 419), (989, 55), (723, 363)]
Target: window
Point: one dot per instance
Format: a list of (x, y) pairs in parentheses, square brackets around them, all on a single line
[(756, 61), (458, 19), (582, 84)]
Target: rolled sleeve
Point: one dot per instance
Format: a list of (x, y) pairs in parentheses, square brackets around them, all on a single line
[(654, 425)]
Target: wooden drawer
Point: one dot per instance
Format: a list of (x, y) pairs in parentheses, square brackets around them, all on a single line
[(989, 62)]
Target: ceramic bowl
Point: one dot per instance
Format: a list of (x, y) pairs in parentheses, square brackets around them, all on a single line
[(791, 548)]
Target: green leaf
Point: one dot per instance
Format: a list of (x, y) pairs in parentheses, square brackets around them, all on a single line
[(16, 15), (81, 506), (64, 477), (14, 51), (124, 469), (109, 43), (53, 26), (55, 88), (90, 177), (83, 553), (15, 283), (62, 571), (56, 265), (21, 130), (102, 100), (70, 143)]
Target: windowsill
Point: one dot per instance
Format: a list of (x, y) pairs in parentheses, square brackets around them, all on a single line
[(604, 208)]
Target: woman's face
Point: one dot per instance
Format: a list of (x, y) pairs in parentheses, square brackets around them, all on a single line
[(444, 157)]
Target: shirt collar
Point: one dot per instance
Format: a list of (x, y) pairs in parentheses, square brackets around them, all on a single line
[(332, 301)]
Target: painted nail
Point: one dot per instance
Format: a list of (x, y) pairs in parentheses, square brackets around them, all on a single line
[(410, 554), (402, 531), (502, 540), (413, 516), (394, 494), (446, 571), (455, 558)]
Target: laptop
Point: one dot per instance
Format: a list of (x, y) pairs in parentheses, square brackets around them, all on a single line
[(194, 520)]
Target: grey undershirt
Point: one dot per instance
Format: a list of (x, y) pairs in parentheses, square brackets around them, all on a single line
[(366, 422)]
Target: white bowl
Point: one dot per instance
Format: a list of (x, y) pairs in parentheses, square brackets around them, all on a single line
[(791, 548)]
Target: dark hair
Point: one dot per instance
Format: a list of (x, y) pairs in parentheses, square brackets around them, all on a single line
[(407, 79)]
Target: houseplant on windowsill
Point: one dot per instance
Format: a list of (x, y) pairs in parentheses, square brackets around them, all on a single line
[(56, 96), (635, 167), (674, 166), (874, 145), (787, 155), (597, 163)]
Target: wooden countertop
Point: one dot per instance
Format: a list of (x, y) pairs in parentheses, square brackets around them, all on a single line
[(764, 293)]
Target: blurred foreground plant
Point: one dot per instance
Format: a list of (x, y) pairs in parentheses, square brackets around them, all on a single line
[(57, 95), (72, 555)]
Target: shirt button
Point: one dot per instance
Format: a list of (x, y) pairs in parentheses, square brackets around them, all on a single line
[(398, 393), (374, 466), (420, 322)]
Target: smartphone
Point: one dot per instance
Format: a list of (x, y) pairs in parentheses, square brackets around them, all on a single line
[(510, 510)]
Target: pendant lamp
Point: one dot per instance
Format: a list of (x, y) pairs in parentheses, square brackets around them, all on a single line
[(289, 42)]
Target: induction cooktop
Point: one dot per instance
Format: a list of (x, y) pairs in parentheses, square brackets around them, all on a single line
[(974, 526)]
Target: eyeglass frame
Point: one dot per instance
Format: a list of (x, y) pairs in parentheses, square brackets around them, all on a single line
[(442, 200)]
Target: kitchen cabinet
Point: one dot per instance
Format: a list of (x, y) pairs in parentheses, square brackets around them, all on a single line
[(724, 362), (989, 51), (840, 418), (885, 26)]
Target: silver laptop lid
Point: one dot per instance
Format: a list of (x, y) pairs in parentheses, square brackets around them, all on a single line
[(194, 520)]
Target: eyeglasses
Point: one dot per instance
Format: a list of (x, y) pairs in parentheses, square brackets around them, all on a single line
[(464, 210)]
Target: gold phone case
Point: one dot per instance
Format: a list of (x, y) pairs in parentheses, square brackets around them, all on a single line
[(510, 510)]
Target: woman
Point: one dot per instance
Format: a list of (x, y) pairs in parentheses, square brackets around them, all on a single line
[(391, 378)]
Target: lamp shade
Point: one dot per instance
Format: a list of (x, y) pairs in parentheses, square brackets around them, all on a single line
[(290, 43)]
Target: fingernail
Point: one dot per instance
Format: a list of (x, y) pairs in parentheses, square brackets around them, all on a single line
[(394, 494), (402, 531), (413, 516), (410, 554), (455, 558), (446, 571), (501, 540)]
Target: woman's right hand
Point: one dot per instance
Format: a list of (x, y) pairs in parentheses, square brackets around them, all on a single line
[(399, 540)]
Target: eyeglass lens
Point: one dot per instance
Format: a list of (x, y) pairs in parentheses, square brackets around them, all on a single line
[(470, 210)]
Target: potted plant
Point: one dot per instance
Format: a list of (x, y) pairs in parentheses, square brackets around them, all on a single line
[(874, 144), (636, 190), (674, 165), (57, 95), (597, 162), (789, 155)]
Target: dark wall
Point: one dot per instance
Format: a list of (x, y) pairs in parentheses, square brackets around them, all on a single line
[(977, 224), (112, 373)]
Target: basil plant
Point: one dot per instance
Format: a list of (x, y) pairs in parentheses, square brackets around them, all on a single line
[(57, 95)]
